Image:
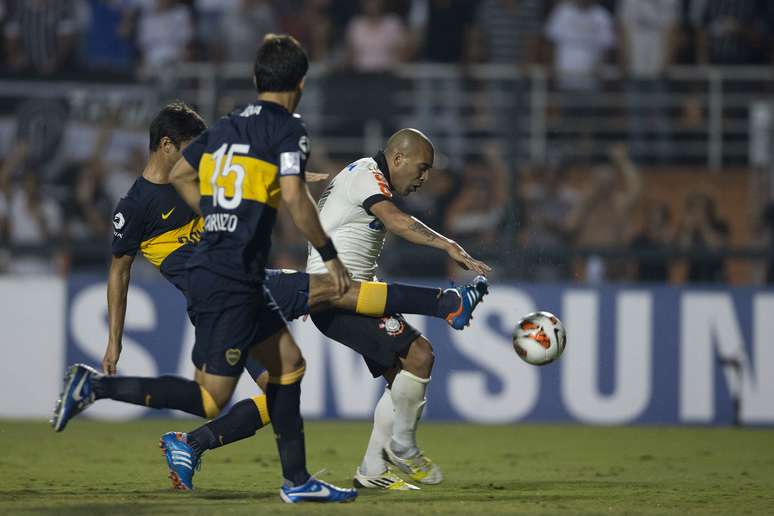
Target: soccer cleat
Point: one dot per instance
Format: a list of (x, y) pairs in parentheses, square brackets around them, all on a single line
[(315, 490), (471, 295), (182, 460), (418, 467), (387, 480), (77, 394)]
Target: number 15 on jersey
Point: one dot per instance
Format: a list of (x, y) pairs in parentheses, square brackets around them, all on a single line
[(227, 177)]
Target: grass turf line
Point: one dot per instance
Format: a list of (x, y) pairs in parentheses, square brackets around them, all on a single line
[(116, 468)]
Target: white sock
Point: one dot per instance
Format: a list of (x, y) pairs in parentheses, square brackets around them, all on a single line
[(408, 400), (373, 463)]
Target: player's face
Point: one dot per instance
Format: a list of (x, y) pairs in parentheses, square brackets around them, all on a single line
[(411, 171)]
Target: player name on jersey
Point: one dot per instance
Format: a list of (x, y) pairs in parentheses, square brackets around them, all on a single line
[(221, 222)]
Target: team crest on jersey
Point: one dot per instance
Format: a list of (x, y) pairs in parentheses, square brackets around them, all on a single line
[(232, 356), (392, 326)]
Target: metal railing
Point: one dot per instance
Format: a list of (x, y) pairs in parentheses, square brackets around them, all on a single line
[(703, 111), (715, 117), (701, 114)]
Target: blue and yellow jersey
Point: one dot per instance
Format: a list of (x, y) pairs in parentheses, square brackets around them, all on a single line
[(154, 220), (240, 160)]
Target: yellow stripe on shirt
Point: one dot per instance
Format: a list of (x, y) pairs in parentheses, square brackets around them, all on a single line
[(260, 182), (157, 248)]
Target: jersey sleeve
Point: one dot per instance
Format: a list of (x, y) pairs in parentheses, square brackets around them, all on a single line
[(127, 228), (293, 149), (196, 149), (367, 188)]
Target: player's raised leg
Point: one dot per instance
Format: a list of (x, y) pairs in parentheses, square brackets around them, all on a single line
[(375, 299)]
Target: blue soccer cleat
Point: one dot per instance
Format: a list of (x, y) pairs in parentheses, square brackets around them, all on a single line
[(470, 296), (182, 460), (77, 394), (316, 490)]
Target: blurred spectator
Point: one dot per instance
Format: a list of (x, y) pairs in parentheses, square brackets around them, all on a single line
[(376, 40), (442, 29), (656, 236), (601, 219), (582, 35), (242, 28), (648, 41), (164, 36), (107, 44), (508, 31), (547, 203), (311, 24), (209, 14), (442, 32), (11, 163), (702, 229), (124, 172), (476, 216), (40, 36), (768, 223), (31, 219), (730, 32), (86, 209), (85, 202)]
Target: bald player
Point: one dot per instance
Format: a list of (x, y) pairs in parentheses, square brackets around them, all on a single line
[(357, 210)]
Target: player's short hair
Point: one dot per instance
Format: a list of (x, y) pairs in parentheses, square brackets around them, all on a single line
[(178, 122), (280, 63)]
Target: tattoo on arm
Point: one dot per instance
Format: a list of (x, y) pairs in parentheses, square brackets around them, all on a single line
[(418, 227)]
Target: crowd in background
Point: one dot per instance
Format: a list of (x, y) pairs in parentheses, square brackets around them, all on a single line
[(522, 216), (67, 37)]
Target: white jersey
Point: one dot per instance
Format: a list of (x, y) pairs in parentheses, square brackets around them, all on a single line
[(345, 216)]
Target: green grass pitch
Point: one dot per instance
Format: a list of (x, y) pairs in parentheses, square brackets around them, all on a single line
[(114, 468)]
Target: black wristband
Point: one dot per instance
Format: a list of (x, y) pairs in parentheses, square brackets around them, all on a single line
[(327, 251)]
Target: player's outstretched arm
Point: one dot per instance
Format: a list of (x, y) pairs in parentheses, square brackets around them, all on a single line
[(298, 200), (185, 179), (118, 286), (415, 231)]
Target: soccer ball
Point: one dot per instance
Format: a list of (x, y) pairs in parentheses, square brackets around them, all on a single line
[(539, 338)]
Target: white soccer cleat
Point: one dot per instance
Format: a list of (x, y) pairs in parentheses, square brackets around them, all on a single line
[(419, 467), (388, 481)]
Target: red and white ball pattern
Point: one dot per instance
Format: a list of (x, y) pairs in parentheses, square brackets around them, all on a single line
[(539, 338)]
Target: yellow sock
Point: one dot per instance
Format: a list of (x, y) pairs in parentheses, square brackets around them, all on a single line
[(372, 298), (211, 409), (263, 408), (288, 378)]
